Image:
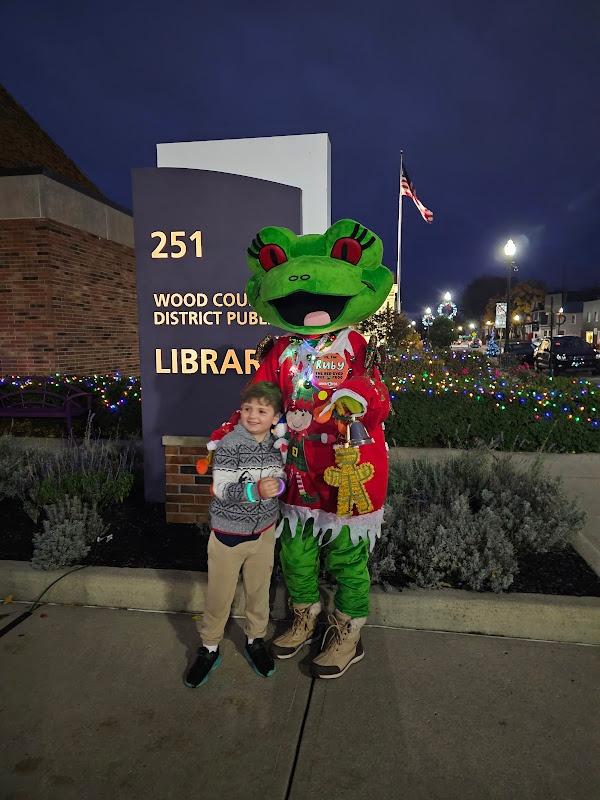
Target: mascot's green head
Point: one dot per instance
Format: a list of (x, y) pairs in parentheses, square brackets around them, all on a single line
[(317, 283)]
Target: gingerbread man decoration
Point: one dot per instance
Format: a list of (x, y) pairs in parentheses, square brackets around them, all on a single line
[(349, 477)]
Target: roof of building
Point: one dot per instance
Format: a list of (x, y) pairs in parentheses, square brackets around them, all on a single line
[(577, 295), (26, 148)]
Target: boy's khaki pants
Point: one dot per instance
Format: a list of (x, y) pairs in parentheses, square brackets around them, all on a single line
[(255, 559)]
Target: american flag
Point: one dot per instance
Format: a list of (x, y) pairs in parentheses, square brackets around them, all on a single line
[(408, 190)]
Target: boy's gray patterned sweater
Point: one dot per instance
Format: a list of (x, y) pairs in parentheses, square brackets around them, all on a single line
[(238, 460)]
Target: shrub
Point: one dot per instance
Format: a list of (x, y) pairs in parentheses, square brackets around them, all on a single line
[(453, 420), (13, 468), (461, 399), (466, 521), (96, 471), (68, 533), (441, 332)]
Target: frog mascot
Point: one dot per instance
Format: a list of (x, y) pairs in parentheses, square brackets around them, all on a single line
[(317, 287)]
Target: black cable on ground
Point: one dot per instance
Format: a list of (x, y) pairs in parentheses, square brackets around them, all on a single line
[(22, 617), (299, 742)]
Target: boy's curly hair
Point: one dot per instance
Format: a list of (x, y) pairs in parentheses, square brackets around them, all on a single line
[(266, 391)]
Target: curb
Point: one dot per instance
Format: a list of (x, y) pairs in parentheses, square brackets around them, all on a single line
[(529, 616)]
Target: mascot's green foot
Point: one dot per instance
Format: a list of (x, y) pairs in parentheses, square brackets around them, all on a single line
[(342, 646), (300, 632)]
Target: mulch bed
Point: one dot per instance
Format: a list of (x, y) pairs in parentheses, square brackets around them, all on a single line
[(142, 538)]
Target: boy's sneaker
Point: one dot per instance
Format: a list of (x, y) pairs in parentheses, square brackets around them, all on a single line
[(201, 668), (259, 658)]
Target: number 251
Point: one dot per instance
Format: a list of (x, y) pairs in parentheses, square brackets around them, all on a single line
[(178, 244)]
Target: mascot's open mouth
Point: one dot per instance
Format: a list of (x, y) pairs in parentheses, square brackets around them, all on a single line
[(306, 310)]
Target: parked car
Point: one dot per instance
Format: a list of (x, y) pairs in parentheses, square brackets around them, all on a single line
[(565, 353), (522, 351)]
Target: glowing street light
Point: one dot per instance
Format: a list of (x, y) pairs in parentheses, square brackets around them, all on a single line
[(510, 248), (447, 297), (471, 326), (427, 321)]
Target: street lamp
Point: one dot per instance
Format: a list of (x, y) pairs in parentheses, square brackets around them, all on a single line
[(510, 249), (427, 322), (447, 297), (516, 320), (471, 326)]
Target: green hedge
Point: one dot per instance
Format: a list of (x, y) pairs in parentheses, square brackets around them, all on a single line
[(441, 421)]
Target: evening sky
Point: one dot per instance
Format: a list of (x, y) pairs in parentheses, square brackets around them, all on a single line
[(495, 104)]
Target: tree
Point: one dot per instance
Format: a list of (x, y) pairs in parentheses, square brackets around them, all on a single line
[(392, 329), (441, 332), (524, 297), (475, 296), (492, 345)]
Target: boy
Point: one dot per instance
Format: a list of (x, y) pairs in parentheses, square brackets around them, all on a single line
[(247, 479)]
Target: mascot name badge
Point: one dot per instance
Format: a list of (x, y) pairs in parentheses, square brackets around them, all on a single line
[(330, 370), (317, 287)]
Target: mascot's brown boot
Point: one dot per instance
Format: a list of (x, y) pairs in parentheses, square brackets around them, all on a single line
[(300, 632), (342, 646)]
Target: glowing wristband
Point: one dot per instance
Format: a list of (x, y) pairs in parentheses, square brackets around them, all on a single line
[(249, 487), (281, 486)]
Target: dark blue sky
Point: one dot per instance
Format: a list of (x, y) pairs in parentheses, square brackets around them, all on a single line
[(495, 105)]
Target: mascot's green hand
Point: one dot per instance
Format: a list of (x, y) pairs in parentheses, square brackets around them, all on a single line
[(345, 406)]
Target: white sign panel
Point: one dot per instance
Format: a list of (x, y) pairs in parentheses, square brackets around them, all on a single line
[(500, 315), (300, 160)]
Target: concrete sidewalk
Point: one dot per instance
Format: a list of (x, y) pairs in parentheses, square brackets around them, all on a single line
[(93, 707)]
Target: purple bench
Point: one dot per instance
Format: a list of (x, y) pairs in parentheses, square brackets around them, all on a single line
[(42, 402)]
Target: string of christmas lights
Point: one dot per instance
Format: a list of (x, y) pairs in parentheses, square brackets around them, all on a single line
[(105, 387), (570, 398)]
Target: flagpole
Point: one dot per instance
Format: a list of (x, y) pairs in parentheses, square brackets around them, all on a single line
[(398, 260)]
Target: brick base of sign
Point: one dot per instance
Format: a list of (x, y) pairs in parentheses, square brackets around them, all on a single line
[(187, 493)]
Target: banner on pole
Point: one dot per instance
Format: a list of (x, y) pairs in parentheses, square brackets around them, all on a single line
[(500, 315)]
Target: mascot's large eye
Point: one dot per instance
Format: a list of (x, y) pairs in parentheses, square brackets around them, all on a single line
[(347, 249), (271, 255)]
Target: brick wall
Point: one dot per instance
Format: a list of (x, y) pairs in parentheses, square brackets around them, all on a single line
[(187, 493), (67, 301)]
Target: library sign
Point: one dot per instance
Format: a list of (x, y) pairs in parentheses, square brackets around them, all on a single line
[(198, 334)]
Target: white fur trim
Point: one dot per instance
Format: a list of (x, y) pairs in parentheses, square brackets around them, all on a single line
[(280, 430), (212, 445), (363, 526)]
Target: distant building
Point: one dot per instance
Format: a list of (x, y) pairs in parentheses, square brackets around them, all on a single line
[(546, 319), (390, 301), (591, 321), (67, 270)]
